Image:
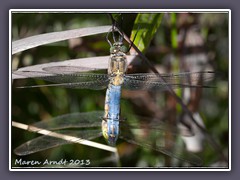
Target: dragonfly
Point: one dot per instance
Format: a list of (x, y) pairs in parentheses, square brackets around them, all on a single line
[(114, 81)]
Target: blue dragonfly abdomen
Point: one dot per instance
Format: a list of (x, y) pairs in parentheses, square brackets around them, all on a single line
[(110, 122)]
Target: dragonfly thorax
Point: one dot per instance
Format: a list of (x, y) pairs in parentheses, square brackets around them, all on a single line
[(117, 74), (117, 58), (118, 63)]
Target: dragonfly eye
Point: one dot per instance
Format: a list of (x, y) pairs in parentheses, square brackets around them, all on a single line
[(112, 49), (123, 49)]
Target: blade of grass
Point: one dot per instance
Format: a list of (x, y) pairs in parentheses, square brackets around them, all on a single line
[(145, 27), (34, 41)]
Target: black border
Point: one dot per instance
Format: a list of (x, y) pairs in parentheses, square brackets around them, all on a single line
[(220, 4)]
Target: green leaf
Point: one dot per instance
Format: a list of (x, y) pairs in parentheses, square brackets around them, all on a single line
[(174, 31), (145, 27)]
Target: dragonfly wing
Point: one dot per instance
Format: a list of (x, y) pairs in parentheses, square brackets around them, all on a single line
[(149, 81), (148, 124), (46, 142), (161, 142), (73, 120), (61, 123), (73, 80)]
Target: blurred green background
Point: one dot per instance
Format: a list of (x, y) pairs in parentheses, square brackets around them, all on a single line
[(180, 42)]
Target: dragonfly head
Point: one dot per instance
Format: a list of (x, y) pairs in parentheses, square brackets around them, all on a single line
[(110, 130), (118, 47)]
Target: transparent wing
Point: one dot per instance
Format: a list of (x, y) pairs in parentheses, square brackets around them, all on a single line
[(46, 142), (163, 142), (61, 123), (67, 77), (148, 81), (159, 136), (150, 124), (73, 120)]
